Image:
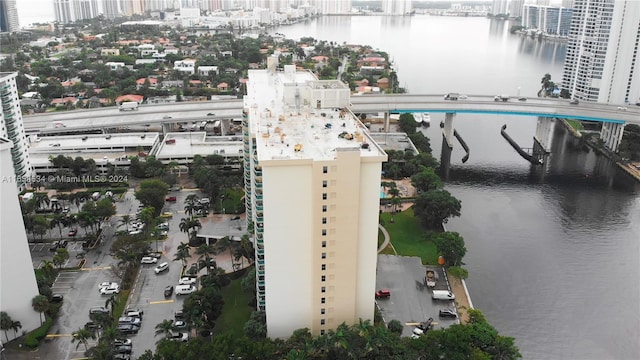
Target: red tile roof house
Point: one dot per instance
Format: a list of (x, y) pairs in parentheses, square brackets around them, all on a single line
[(153, 82), (222, 86), (129, 97), (63, 101)]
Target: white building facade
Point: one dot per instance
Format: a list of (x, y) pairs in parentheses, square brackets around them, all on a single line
[(17, 278), (601, 63), (312, 181), (12, 128)]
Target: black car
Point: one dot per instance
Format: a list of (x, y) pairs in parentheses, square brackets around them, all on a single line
[(56, 298), (121, 357), (168, 291), (123, 349), (447, 313), (90, 325), (63, 243), (128, 329), (54, 246)]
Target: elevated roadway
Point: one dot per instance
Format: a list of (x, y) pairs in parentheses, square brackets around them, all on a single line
[(111, 117)]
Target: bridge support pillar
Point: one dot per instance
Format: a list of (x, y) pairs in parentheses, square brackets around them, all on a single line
[(386, 124), (447, 145), (611, 134), (544, 132)]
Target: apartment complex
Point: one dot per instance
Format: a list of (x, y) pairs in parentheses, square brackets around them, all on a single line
[(312, 181), (396, 7), (550, 20), (601, 63), (12, 128), (16, 270), (9, 16)]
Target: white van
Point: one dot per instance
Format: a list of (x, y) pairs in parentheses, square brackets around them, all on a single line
[(95, 196), (442, 295), (185, 289)]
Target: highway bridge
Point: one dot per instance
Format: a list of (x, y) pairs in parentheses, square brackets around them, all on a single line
[(152, 114)]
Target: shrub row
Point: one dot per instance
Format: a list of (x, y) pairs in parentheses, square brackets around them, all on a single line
[(33, 338)]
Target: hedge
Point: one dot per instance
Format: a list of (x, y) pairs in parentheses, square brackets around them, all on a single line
[(33, 338)]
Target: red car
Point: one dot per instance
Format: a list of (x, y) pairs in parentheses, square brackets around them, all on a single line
[(73, 232), (171, 199), (384, 293)]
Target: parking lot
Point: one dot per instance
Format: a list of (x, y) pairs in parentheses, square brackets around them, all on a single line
[(410, 300)]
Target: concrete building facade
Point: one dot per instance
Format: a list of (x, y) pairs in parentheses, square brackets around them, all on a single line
[(12, 128), (9, 16), (550, 20), (312, 181), (17, 278), (601, 63)]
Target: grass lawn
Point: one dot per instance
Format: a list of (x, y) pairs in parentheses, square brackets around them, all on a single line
[(408, 237), (576, 124), (235, 311), (232, 202)]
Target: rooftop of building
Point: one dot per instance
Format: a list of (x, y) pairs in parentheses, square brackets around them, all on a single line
[(188, 144), (102, 142), (294, 131)]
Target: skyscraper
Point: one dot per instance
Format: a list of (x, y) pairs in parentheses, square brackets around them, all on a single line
[(312, 182), (11, 128), (9, 16), (601, 63), (396, 7), (17, 278), (328, 7)]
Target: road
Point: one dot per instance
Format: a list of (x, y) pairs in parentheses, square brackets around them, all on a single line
[(50, 123)]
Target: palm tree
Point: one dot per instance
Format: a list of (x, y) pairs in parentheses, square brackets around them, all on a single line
[(5, 323), (15, 326), (189, 209), (186, 224), (205, 251), (165, 327), (111, 303), (226, 244), (40, 303), (182, 253), (82, 336), (110, 333), (126, 220), (56, 221), (41, 199)]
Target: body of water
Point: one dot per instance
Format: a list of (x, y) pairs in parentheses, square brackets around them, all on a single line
[(553, 257)]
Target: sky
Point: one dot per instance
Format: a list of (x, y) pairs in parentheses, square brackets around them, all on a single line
[(30, 11)]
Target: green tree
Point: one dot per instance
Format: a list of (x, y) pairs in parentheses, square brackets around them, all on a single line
[(204, 253), (5, 323), (451, 246), (182, 253), (426, 180), (458, 273), (435, 207), (82, 336), (408, 123), (165, 328), (256, 326), (151, 193), (395, 326), (125, 220), (40, 304), (61, 256)]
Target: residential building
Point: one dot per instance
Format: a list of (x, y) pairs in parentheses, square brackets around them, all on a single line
[(312, 180), (331, 7), (602, 63), (516, 8), (68, 11), (17, 278), (9, 16), (549, 20), (186, 66), (12, 128), (207, 70), (114, 65), (396, 7), (499, 7), (109, 51)]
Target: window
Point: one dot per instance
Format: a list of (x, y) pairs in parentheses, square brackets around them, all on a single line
[(323, 289), (324, 220), (324, 196), (324, 255), (323, 300), (324, 208), (324, 183), (324, 244), (324, 232), (321, 321), (323, 278), (322, 311), (321, 332), (325, 169), (324, 267)]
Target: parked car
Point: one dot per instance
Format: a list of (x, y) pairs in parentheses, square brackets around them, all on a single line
[(180, 324), (90, 325), (163, 226), (148, 260), (63, 244), (168, 291), (128, 329), (107, 284), (187, 281), (574, 102), (133, 309), (162, 267), (73, 232), (54, 246), (121, 357), (123, 349), (129, 320), (178, 315), (523, 99), (171, 199), (447, 313), (383, 293), (120, 342), (98, 310), (135, 232), (184, 337), (110, 290), (56, 298)]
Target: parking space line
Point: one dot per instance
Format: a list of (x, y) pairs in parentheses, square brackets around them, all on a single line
[(96, 268), (161, 302), (49, 336)]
